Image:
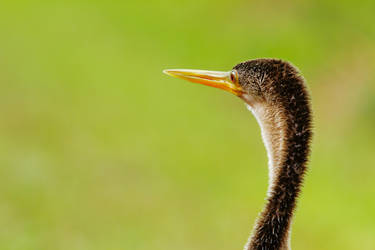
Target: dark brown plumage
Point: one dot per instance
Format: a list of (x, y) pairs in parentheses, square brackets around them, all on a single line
[(278, 86), (276, 94)]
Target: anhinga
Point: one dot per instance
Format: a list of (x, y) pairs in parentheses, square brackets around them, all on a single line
[(277, 96)]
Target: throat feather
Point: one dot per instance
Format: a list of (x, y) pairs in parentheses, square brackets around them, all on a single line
[(273, 129)]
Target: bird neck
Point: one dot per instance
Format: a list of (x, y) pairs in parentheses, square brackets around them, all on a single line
[(286, 139)]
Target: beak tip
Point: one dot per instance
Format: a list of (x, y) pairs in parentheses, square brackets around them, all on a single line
[(167, 72)]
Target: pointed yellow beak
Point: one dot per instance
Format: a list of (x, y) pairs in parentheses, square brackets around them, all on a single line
[(217, 79)]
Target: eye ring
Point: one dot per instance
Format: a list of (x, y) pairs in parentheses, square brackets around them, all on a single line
[(234, 76)]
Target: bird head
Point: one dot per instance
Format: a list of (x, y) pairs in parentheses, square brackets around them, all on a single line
[(265, 81)]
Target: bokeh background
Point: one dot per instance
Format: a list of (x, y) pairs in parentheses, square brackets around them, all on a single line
[(100, 150)]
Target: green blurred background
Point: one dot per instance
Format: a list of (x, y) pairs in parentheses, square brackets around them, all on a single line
[(100, 150)]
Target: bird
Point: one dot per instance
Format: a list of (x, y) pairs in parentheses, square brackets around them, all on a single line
[(276, 93)]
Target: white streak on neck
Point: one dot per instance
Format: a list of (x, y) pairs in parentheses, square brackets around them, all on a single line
[(272, 127), (259, 113)]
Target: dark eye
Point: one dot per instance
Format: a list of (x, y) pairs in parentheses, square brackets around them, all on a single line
[(233, 76)]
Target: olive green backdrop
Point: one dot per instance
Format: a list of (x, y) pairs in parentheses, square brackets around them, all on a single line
[(100, 150)]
